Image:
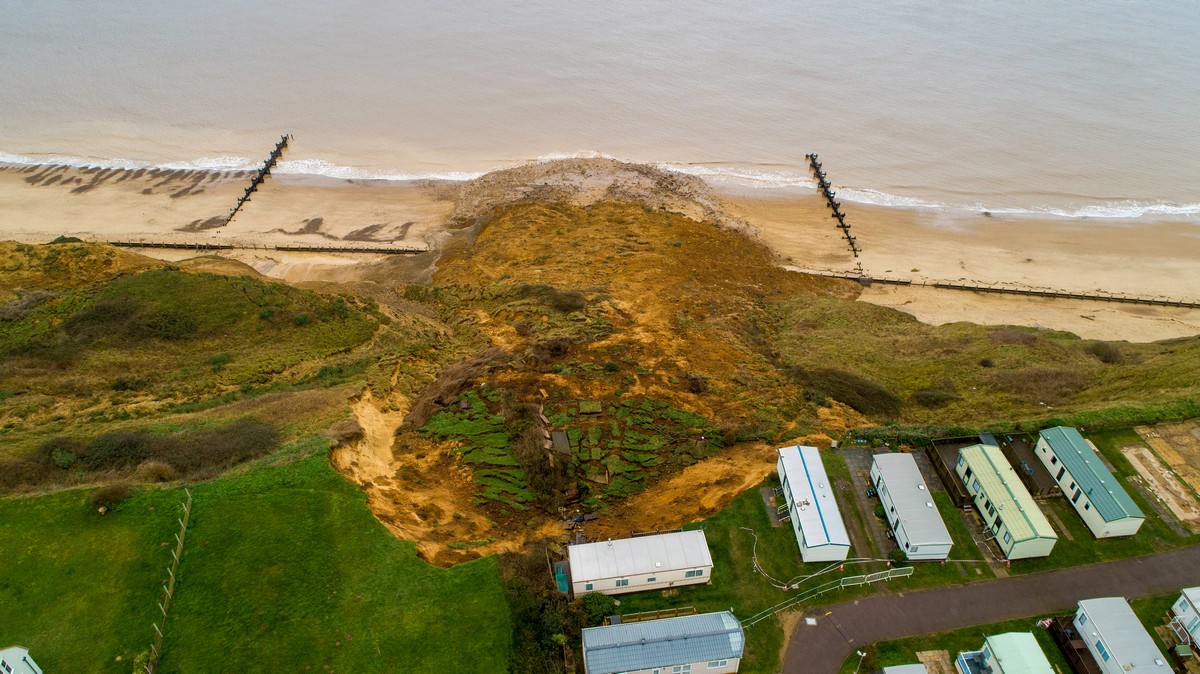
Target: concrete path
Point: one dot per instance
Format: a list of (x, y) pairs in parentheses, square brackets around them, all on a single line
[(842, 628)]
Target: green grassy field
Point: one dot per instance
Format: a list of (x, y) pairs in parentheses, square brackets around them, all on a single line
[(79, 589), (284, 567)]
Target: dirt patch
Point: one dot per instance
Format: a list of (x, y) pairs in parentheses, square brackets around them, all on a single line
[(789, 621), (1161, 480), (419, 492), (1178, 444), (694, 493)]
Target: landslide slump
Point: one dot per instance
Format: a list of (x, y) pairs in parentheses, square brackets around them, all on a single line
[(620, 308), (641, 334)]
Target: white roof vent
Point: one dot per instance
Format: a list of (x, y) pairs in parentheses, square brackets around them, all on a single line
[(929, 504), (921, 487)]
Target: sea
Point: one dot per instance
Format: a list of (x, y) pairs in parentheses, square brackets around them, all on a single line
[(1069, 109)]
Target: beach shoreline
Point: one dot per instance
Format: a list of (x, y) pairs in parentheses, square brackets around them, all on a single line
[(1143, 257)]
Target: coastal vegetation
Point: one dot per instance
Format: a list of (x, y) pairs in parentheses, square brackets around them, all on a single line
[(651, 342)]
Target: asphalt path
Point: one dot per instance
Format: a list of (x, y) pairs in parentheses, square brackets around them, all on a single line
[(843, 628)]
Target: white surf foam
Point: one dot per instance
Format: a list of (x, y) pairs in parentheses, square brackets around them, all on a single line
[(718, 174)]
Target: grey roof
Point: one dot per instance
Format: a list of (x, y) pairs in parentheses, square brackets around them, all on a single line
[(1111, 620), (18, 658), (662, 643), (914, 505), (1107, 495), (906, 669), (818, 514), (635, 556)]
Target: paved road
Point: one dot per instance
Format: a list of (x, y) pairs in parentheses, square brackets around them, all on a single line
[(821, 648)]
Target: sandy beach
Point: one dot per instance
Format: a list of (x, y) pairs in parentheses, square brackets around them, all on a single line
[(1143, 258)]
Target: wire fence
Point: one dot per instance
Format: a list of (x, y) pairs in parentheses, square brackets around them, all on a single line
[(168, 587)]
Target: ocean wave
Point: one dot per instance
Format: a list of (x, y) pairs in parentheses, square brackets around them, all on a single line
[(1123, 209), (320, 167), (742, 176)]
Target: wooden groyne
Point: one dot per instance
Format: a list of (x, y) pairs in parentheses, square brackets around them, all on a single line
[(260, 176), (1009, 290), (293, 248), (832, 202)]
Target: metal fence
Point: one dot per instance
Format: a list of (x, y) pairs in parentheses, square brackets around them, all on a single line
[(840, 583)]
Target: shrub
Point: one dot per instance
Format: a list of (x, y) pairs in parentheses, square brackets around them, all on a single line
[(1107, 352), (930, 397), (219, 360), (898, 557), (156, 471), (986, 362), (111, 496), (301, 319), (565, 301), (596, 607), (862, 394), (62, 457), (879, 511), (695, 383), (62, 238), (165, 325), (611, 367)]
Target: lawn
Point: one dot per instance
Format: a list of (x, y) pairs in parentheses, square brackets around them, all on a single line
[(284, 567), (903, 651), (78, 588)]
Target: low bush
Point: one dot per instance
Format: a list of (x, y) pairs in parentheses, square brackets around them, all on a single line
[(931, 397), (864, 395), (151, 457), (1107, 352), (110, 496), (565, 301), (156, 471)]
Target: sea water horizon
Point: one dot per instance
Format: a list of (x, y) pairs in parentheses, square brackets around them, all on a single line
[(1021, 108)]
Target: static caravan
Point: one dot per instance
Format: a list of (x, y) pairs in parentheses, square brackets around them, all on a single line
[(917, 668), (16, 660), (1012, 517), (1117, 639), (640, 563), (1094, 492), (811, 506), (911, 512), (710, 642), (1187, 613), (1009, 653)]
